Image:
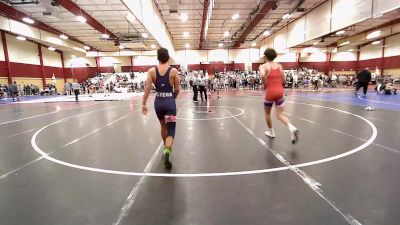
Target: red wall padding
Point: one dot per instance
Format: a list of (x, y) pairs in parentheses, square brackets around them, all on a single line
[(126, 69), (142, 68), (391, 62), (25, 70), (345, 65), (320, 66), (3, 69), (57, 71), (371, 63)]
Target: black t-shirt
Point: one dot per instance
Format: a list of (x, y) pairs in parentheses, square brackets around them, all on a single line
[(364, 76)]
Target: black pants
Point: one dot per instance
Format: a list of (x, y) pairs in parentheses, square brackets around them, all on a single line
[(364, 85), (203, 90), (195, 92), (76, 94)]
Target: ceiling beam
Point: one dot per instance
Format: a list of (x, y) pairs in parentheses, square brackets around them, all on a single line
[(14, 14), (203, 23), (268, 5), (77, 11)]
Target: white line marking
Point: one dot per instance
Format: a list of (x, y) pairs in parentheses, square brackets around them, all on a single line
[(44, 114), (213, 118), (20, 168), (96, 130), (130, 200), (50, 153), (362, 139), (247, 172), (387, 103), (315, 186), (23, 132)]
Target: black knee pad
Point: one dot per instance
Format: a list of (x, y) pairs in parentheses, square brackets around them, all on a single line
[(170, 120), (171, 129)]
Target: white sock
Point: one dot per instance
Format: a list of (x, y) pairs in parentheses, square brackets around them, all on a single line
[(291, 127)]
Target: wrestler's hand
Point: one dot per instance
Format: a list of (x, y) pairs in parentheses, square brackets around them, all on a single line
[(144, 109)]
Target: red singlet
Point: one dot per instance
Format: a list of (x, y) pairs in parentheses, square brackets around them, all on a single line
[(273, 85)]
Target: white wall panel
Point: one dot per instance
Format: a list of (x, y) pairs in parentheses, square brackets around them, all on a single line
[(51, 58), (296, 32), (25, 30), (110, 61), (254, 55), (22, 51), (267, 43), (4, 24), (318, 21), (344, 56), (79, 62), (218, 55), (52, 38), (280, 39), (371, 52), (392, 46), (286, 57), (2, 57), (145, 61), (313, 57), (346, 13), (382, 6), (239, 55)]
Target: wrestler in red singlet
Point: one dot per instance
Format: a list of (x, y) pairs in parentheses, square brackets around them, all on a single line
[(272, 76), (273, 87)]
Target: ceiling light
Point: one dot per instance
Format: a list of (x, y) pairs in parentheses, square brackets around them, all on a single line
[(121, 47), (186, 34), (187, 45), (153, 46), (51, 48), (376, 42), (184, 17), (345, 43), (86, 47), (374, 34), (105, 36), (340, 32), (235, 16), (145, 35), (315, 43), (73, 56), (226, 33), (266, 33), (21, 38), (63, 36), (81, 19), (253, 44), (28, 20), (350, 50), (220, 45), (286, 16)]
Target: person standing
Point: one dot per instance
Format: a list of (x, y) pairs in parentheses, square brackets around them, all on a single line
[(166, 81), (202, 87), (76, 88), (14, 91), (363, 79), (195, 87), (274, 79)]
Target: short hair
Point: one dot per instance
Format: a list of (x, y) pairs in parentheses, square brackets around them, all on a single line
[(270, 54), (162, 55)]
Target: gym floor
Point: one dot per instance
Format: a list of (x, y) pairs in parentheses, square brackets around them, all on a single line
[(100, 162)]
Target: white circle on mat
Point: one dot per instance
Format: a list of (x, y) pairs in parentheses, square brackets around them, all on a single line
[(240, 112), (233, 173)]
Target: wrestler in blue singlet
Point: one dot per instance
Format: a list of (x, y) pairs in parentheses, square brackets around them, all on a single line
[(164, 104)]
